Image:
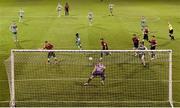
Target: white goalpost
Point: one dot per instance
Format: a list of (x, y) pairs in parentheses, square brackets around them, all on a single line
[(34, 82)]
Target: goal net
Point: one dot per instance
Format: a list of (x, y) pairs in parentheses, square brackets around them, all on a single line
[(35, 82)]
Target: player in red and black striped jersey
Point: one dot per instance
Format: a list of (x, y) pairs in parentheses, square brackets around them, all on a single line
[(104, 46), (49, 46), (135, 40), (153, 44), (146, 32)]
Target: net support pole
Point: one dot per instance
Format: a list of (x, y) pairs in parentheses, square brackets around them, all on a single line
[(12, 88), (170, 79)]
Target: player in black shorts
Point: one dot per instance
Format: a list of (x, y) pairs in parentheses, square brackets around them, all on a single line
[(104, 46), (135, 40), (153, 44), (171, 31), (49, 46), (66, 8), (146, 32)]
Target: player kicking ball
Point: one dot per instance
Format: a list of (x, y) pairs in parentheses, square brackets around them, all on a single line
[(78, 41), (153, 44), (59, 9), (21, 15), (49, 46), (13, 28), (98, 71), (142, 53), (90, 18)]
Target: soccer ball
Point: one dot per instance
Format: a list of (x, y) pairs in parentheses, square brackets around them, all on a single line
[(90, 58)]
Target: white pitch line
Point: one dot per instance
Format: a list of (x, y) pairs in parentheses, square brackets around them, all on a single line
[(71, 79), (4, 101), (95, 101)]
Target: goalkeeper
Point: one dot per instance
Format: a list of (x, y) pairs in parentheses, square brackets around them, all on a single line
[(99, 70), (49, 46)]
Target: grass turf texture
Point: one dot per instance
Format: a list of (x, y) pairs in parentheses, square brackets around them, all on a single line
[(42, 24)]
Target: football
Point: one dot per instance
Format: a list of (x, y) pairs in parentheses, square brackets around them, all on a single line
[(90, 58)]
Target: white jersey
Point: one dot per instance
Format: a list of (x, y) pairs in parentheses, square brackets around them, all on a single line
[(21, 12), (90, 15), (143, 22), (59, 7), (111, 6), (142, 47), (13, 28), (170, 27)]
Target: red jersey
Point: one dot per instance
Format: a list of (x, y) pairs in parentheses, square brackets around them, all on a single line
[(48, 46), (135, 40), (146, 31), (104, 45), (153, 42)]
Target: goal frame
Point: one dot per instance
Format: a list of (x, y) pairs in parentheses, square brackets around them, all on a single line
[(12, 78)]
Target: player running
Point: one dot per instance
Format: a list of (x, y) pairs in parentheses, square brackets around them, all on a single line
[(98, 71), (104, 46), (49, 46), (21, 15), (13, 28), (111, 9), (142, 53), (135, 40), (171, 31), (90, 18), (66, 9), (143, 23), (145, 34), (153, 44), (59, 9), (78, 41)]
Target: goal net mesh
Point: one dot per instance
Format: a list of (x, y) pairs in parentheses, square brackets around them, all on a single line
[(128, 83)]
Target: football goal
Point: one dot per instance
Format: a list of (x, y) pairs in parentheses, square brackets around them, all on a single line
[(55, 78)]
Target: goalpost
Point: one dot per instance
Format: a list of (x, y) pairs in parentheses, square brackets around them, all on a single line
[(35, 82)]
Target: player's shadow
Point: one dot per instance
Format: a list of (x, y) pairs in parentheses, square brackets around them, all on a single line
[(99, 27), (24, 41), (26, 24), (18, 46), (165, 43)]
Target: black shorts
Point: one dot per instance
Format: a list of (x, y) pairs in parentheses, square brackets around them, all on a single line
[(136, 45), (104, 48), (171, 31), (14, 32), (51, 54), (146, 37), (153, 47)]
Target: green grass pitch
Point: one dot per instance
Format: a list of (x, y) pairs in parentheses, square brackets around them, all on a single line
[(41, 23)]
